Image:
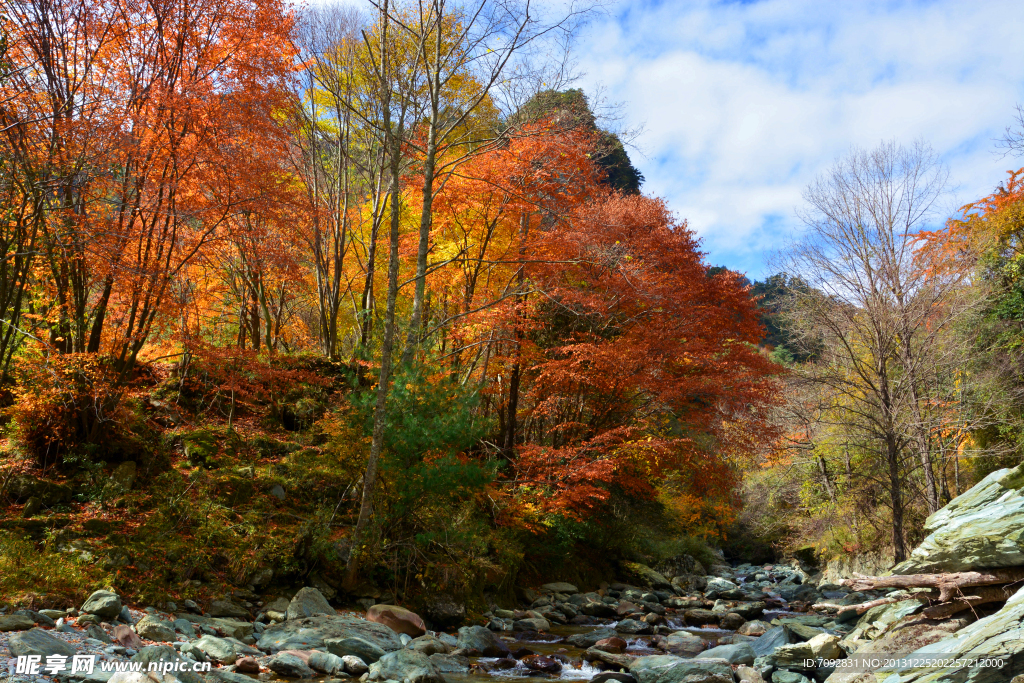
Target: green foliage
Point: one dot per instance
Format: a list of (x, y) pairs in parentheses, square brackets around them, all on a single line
[(53, 578)]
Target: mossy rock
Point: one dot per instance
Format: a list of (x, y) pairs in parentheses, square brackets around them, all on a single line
[(201, 448)]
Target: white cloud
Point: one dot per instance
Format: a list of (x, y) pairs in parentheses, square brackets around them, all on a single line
[(744, 103)]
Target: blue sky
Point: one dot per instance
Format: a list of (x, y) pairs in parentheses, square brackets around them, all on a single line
[(744, 103)]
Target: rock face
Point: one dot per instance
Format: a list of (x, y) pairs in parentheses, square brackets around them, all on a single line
[(103, 604), (398, 619), (982, 528), (406, 666), (561, 587), (38, 642), (1000, 634), (312, 634), (309, 602)]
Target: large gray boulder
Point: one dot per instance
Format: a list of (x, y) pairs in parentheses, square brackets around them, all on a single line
[(154, 628), (312, 634), (217, 649), (355, 647), (103, 604), (590, 638), (38, 642), (681, 643), (406, 666), (483, 640), (671, 669), (289, 666), (737, 653), (309, 602), (982, 528)]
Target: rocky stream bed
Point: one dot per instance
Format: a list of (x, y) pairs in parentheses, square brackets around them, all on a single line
[(959, 597)]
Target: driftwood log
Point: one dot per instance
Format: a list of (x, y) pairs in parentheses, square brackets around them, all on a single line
[(950, 585), (957, 591)]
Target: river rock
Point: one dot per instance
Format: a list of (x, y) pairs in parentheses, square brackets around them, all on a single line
[(325, 662), (398, 619), (786, 676), (561, 587), (981, 528), (429, 645), (616, 646), (754, 628), (247, 665), (309, 602), (355, 666), (217, 649), (632, 626), (719, 584), (36, 641), (772, 639), (822, 646), (166, 653), (450, 664), (682, 643), (406, 666), (227, 608), (355, 647), (589, 639), (16, 622), (103, 603), (907, 638), (671, 669), (731, 621), (700, 617), (531, 624), (97, 633), (152, 627), (482, 640), (741, 653), (290, 666), (315, 632), (123, 635), (542, 663)]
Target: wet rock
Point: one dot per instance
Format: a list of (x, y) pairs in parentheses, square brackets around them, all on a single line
[(598, 609), (325, 662), (428, 645), (327, 632), (741, 653), (754, 628), (103, 603), (355, 666), (731, 621), (560, 587), (618, 661), (718, 584), (309, 602), (682, 643), (542, 663), (289, 666), (632, 626), (701, 617), (532, 624), (407, 666), (671, 669), (590, 638), (482, 640), (773, 639), (361, 648), (616, 646), (613, 677), (398, 619), (450, 664)]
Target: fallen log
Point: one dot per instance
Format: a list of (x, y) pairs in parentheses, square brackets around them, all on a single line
[(979, 596), (949, 585), (863, 607)]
